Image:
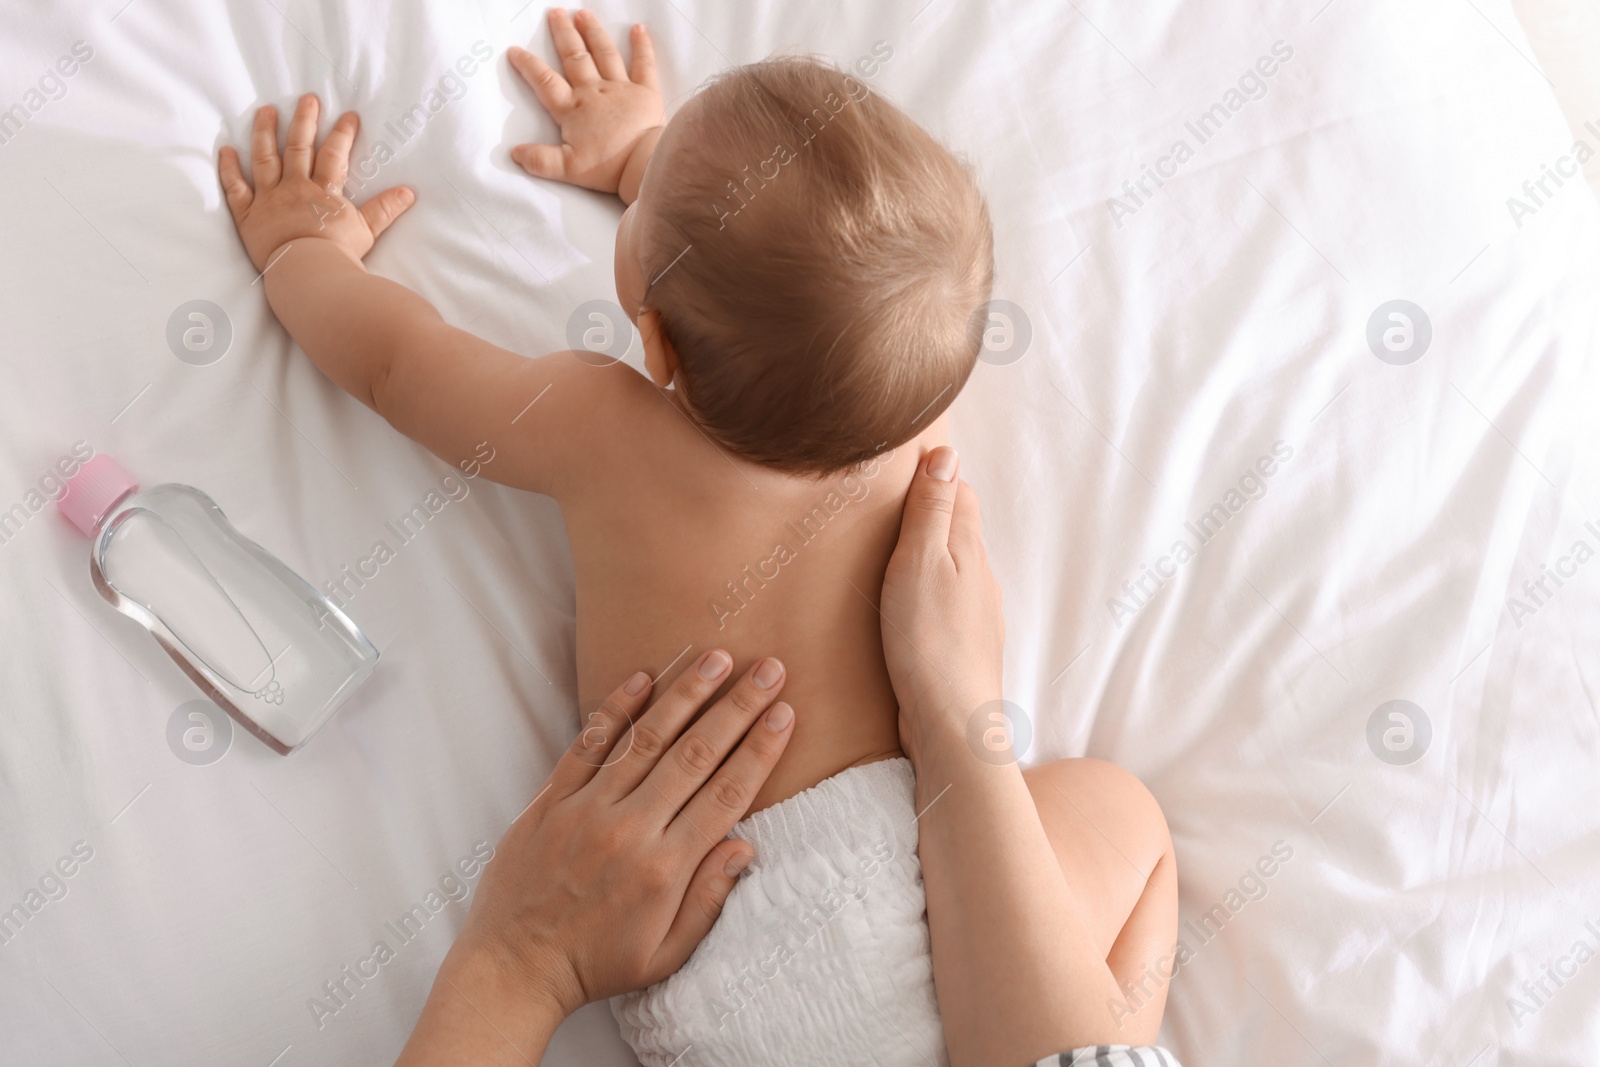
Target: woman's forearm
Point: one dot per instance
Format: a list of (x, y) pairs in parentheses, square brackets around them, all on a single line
[(350, 322), (1000, 913)]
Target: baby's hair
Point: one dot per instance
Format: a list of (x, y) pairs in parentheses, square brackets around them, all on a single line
[(820, 263)]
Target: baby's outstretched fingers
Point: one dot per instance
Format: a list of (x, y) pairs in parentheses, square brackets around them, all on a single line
[(265, 167), (607, 60), (605, 117), (571, 47), (644, 58), (542, 160), (551, 88), (333, 158), (301, 194), (297, 146), (384, 208), (235, 189)]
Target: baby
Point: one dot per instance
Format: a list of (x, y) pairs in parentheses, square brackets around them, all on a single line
[(808, 270)]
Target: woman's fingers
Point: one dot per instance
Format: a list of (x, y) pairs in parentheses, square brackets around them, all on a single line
[(598, 736), (387, 206), (644, 59), (302, 137), (690, 762), (725, 799), (265, 167), (551, 88), (333, 158), (235, 189), (575, 59), (607, 60), (966, 529), (654, 732), (930, 503), (702, 902)]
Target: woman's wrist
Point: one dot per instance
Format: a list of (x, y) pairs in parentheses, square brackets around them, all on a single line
[(532, 973), (939, 720), (484, 1009)]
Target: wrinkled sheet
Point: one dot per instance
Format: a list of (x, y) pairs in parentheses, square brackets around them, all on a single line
[(1190, 364)]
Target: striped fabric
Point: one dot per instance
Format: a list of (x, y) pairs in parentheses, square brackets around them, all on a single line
[(1112, 1056)]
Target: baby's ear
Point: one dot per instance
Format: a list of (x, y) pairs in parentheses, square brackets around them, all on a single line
[(660, 358)]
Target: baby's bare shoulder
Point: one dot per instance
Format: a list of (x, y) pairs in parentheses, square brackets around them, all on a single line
[(610, 415), (598, 390)]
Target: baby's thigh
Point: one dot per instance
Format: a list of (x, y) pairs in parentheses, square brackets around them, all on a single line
[(1111, 841)]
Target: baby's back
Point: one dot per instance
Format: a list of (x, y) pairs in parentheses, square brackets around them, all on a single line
[(680, 548)]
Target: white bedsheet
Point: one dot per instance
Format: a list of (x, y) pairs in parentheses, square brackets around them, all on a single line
[(1169, 353)]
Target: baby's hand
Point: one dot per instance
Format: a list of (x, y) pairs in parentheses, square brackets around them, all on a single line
[(603, 113), (298, 195)]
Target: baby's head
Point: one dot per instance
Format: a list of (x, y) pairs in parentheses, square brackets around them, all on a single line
[(808, 264)]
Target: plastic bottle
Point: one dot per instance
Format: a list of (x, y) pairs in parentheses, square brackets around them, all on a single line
[(256, 638)]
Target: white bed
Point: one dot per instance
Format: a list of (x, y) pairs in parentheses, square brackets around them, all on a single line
[(1169, 353)]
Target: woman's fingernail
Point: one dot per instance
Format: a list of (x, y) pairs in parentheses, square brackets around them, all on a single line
[(942, 464), (736, 865), (636, 684), (779, 717), (768, 673), (715, 665)]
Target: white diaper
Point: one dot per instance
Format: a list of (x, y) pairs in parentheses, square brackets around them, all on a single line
[(821, 953)]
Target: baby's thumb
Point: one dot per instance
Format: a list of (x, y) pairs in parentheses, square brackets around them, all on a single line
[(702, 903), (930, 501), (542, 160), (387, 206)]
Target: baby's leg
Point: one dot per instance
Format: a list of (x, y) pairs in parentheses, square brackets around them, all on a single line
[(1112, 843)]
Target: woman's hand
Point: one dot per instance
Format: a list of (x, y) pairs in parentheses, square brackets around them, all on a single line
[(614, 872), (943, 632), (613, 875), (300, 194), (607, 116), (1006, 930)]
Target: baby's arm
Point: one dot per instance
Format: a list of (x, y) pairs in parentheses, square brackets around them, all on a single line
[(387, 346), (376, 339)]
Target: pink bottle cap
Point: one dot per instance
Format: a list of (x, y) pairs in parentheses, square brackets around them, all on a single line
[(91, 492)]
